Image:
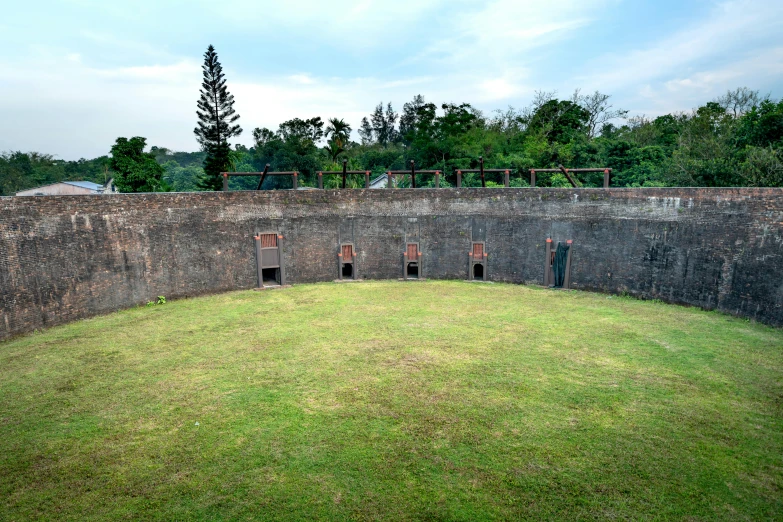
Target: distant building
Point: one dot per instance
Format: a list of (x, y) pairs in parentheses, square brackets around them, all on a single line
[(70, 188), (379, 182)]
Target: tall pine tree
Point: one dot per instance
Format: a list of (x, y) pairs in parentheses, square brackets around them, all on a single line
[(216, 122)]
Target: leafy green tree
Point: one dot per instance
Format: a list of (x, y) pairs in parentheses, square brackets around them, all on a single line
[(302, 131), (459, 134), (366, 133), (734, 140), (758, 138), (25, 170), (339, 130), (134, 169), (411, 120), (763, 167), (384, 125), (419, 129), (761, 125), (216, 122), (705, 155), (183, 159), (292, 148), (182, 179), (559, 121), (599, 110), (634, 165), (379, 159), (339, 134), (17, 172), (738, 101)]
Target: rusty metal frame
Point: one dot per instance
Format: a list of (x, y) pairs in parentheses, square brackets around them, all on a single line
[(506, 172), (342, 262), (481, 170), (407, 261), (472, 261), (549, 275), (412, 173), (344, 173), (607, 174), (264, 174), (323, 173)]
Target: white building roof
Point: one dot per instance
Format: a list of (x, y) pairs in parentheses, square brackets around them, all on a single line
[(86, 184)]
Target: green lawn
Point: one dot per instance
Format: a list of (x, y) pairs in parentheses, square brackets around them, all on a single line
[(395, 401)]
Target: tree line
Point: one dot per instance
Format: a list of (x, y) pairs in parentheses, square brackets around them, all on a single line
[(734, 140)]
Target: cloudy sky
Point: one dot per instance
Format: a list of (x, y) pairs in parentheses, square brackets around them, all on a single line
[(74, 75)]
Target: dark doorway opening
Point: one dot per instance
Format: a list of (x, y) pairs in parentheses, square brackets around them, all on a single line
[(413, 271), (270, 276), (348, 271), (478, 271)]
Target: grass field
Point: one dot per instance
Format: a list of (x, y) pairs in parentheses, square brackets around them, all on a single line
[(397, 401)]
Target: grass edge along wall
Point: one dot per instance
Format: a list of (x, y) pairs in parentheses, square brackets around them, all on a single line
[(68, 257)]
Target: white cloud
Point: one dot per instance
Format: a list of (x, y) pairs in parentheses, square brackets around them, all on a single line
[(356, 23), (505, 31), (70, 109), (731, 26), (303, 79), (183, 72), (269, 103), (123, 44), (756, 70), (764, 63), (66, 101), (498, 89), (487, 52), (736, 44)]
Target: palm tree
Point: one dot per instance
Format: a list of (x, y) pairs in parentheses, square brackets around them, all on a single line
[(340, 133), (334, 149)]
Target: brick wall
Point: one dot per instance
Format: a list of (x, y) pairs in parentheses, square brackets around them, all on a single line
[(67, 257)]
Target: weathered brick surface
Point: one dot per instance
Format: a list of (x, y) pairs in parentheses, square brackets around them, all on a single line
[(67, 257)]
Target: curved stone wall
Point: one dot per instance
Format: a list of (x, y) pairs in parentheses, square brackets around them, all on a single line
[(68, 257)]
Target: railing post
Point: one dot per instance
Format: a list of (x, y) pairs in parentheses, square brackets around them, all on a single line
[(345, 167), (321, 180), (296, 180), (389, 179), (437, 179), (567, 278), (225, 181), (506, 179), (413, 174), (459, 179), (532, 178), (281, 260), (367, 179), (548, 262), (258, 262), (481, 163), (340, 262), (606, 178)]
